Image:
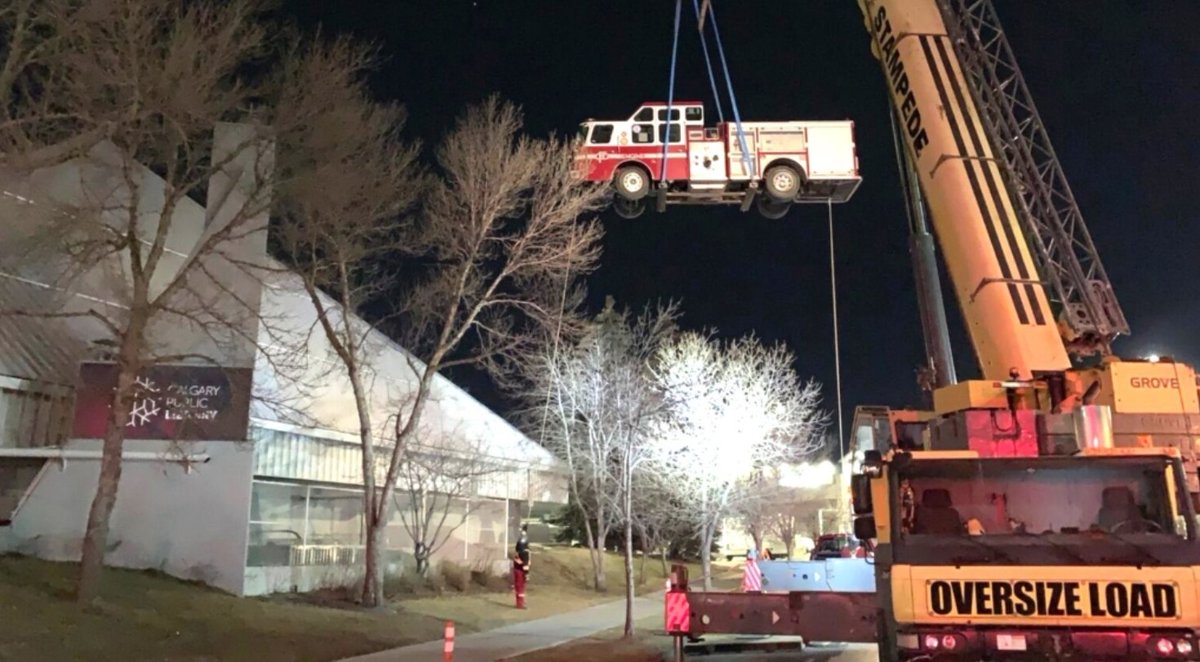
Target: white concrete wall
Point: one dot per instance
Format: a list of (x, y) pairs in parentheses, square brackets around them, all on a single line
[(189, 525), (192, 526)]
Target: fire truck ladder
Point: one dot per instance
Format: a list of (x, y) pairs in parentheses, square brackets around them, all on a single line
[(1045, 204), (747, 159)]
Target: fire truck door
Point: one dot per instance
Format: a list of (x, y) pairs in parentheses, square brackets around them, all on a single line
[(707, 161), (737, 168)]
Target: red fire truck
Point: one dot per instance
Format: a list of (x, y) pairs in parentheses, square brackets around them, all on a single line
[(785, 161)]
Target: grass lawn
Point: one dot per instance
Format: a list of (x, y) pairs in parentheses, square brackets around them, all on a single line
[(558, 582), (146, 616)]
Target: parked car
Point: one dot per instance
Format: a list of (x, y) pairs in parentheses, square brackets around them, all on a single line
[(838, 545)]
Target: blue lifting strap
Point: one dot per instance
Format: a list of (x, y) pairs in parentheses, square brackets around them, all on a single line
[(666, 138), (712, 79), (737, 117)]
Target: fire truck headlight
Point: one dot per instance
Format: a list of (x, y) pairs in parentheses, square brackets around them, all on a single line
[(1164, 647), (931, 642), (1184, 647), (949, 642)]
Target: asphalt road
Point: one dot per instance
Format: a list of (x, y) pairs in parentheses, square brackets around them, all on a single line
[(814, 653)]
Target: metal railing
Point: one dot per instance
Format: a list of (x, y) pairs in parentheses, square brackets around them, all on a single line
[(326, 554), (33, 415)]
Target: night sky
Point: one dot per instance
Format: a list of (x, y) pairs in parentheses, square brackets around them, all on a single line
[(1117, 84)]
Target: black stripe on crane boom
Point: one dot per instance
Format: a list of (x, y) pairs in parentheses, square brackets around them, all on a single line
[(1006, 271), (988, 166)]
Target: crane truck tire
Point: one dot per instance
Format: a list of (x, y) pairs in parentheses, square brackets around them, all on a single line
[(782, 182), (771, 209), (631, 182)]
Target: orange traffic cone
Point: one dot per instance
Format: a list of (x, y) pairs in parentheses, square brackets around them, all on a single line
[(448, 646)]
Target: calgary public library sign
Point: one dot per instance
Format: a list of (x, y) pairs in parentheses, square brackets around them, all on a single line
[(172, 402)]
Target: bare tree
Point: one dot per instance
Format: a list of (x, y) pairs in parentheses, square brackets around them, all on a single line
[(593, 402), (616, 355), (499, 249), (775, 509), (340, 222), (38, 129), (134, 89), (439, 473), (660, 518), (566, 400), (754, 512), (734, 409), (785, 524)]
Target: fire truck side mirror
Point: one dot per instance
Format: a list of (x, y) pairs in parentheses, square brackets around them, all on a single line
[(873, 464), (860, 494), (864, 527)]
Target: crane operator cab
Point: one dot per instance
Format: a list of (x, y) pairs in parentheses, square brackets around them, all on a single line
[(1042, 510)]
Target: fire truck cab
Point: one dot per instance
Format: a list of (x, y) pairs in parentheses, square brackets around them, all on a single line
[(787, 162)]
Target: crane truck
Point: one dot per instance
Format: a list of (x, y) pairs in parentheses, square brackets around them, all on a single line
[(1045, 510)]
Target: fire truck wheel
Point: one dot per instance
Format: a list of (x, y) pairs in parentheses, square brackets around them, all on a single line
[(631, 182), (628, 208), (782, 182), (771, 209)]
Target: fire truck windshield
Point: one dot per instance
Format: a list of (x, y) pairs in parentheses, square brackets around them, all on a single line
[(1032, 510)]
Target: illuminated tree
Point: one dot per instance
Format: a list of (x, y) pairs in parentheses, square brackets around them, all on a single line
[(596, 404), (734, 408), (660, 518)]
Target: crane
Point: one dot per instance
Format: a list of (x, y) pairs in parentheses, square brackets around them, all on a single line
[(1027, 510), (1039, 307)]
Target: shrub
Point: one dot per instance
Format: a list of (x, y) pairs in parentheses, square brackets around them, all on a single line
[(456, 576), (411, 583), (402, 584), (480, 577), (485, 576)]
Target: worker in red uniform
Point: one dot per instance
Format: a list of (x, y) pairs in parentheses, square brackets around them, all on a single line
[(520, 570)]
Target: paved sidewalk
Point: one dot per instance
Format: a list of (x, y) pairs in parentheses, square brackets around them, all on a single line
[(521, 638)]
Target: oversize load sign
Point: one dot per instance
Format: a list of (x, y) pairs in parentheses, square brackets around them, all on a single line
[(174, 402), (1090, 599)]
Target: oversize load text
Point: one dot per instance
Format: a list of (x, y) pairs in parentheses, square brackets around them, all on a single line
[(1053, 598)]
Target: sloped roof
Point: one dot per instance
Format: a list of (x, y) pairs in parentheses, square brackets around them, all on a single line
[(35, 348), (505, 439)]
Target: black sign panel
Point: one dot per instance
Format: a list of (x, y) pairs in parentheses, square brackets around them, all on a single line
[(187, 403)]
